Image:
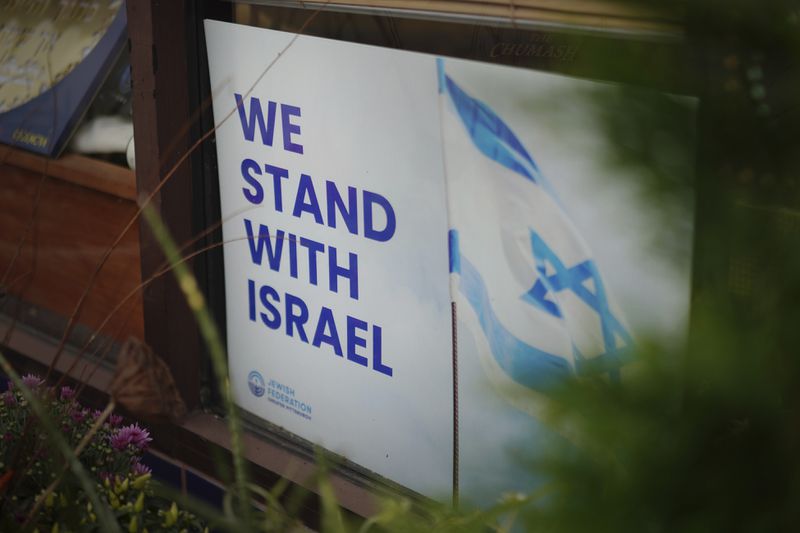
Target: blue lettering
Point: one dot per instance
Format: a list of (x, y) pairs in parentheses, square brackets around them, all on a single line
[(335, 203), (257, 115), (313, 247), (326, 322), (377, 363), (370, 199), (354, 340), (277, 173), (288, 111), (259, 242), (256, 196), (296, 320), (334, 271), (325, 329), (292, 255), (274, 319), (251, 299), (306, 188)]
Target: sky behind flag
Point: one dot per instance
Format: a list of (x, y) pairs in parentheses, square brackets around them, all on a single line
[(551, 253)]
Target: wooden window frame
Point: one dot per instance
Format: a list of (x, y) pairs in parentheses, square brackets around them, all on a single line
[(172, 128)]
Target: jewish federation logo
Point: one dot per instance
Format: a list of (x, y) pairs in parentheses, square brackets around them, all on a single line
[(256, 383)]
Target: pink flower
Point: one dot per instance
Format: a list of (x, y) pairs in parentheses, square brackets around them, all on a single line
[(130, 435), (9, 399), (139, 469), (32, 381), (79, 415), (67, 393), (114, 420)]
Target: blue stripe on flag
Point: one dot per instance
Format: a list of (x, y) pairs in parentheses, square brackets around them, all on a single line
[(455, 253), (489, 133), (440, 73), (525, 364)]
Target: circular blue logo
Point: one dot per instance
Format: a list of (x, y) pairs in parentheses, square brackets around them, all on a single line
[(256, 383)]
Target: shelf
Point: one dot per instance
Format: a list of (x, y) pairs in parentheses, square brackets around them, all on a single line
[(77, 169), (55, 231)]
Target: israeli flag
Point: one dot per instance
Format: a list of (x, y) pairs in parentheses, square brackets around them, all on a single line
[(523, 280)]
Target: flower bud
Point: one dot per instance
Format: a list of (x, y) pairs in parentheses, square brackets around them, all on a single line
[(139, 505), (140, 482), (171, 516)]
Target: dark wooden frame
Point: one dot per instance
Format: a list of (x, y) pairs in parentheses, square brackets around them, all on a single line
[(171, 115), (159, 51)]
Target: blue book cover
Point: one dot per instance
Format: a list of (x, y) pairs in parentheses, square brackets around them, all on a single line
[(33, 44)]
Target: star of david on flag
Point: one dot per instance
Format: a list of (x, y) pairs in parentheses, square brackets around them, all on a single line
[(523, 279)]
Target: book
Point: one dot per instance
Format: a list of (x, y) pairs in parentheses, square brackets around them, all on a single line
[(53, 59)]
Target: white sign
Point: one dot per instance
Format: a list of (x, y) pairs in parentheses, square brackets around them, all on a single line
[(358, 184), (338, 306)]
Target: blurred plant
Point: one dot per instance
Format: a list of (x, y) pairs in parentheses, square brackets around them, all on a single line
[(701, 436), (36, 496)]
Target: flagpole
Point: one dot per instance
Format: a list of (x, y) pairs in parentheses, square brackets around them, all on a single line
[(455, 404), (453, 283)]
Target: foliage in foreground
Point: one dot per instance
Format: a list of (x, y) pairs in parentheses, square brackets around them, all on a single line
[(29, 464), (701, 439)]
